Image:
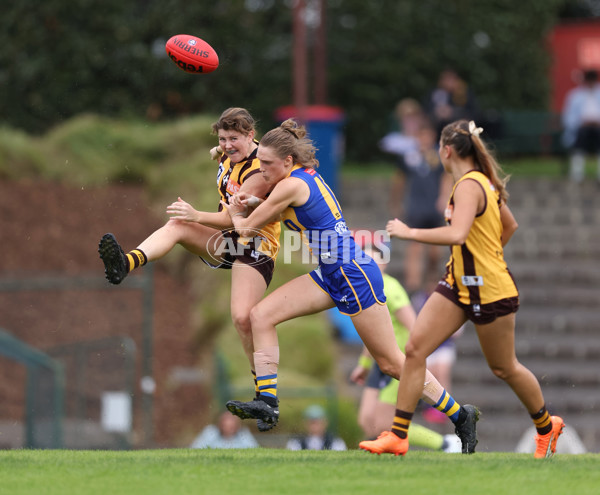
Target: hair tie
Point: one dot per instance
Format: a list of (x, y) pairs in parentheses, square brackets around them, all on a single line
[(292, 131), (474, 130)]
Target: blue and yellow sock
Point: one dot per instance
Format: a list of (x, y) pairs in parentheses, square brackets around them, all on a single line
[(448, 406), (267, 387)]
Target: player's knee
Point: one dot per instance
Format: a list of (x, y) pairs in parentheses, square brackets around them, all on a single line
[(413, 351), (175, 228), (503, 372), (174, 224), (258, 317), (242, 322)]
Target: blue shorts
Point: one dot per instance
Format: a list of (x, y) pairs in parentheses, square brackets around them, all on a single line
[(352, 286), (377, 379)]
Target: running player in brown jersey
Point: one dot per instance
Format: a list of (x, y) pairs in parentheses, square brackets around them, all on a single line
[(477, 286), (209, 235)]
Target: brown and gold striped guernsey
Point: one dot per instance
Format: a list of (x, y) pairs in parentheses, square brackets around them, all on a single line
[(230, 178), (477, 267)]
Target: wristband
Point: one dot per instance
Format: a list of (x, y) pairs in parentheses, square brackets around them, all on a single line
[(365, 361), (238, 213)]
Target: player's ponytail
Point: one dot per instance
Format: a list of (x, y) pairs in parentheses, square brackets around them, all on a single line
[(290, 139), (463, 136)]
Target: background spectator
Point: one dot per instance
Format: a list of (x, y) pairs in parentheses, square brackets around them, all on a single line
[(419, 194), (316, 437), (228, 433), (581, 122), (451, 100), (408, 119)]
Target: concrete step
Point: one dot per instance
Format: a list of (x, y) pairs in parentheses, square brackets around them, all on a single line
[(548, 189), (582, 377), (578, 272), (568, 235), (549, 321), (543, 243), (575, 351), (499, 397), (559, 296), (528, 194)]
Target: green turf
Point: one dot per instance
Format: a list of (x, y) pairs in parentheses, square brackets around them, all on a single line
[(270, 471)]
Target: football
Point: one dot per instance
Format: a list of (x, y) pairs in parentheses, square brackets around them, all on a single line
[(192, 54)]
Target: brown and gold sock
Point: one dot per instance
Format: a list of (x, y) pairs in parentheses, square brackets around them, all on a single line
[(135, 258), (542, 421), (402, 421)]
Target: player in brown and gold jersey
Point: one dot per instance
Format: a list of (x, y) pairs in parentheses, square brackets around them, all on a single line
[(477, 285), (210, 235)]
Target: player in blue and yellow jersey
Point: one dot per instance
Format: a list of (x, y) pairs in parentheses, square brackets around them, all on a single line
[(345, 277), (477, 287), (209, 235)]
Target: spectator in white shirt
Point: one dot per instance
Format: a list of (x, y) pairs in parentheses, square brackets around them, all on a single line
[(581, 123)]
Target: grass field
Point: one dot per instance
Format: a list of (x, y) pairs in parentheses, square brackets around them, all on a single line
[(265, 471)]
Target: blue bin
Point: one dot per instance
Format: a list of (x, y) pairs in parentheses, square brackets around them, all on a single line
[(324, 126)]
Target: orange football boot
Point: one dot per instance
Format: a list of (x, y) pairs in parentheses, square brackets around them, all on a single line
[(386, 443), (546, 444)]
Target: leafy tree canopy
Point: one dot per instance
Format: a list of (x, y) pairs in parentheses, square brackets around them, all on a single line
[(65, 58)]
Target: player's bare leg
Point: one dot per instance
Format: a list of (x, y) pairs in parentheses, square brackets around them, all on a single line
[(298, 297), (196, 238), (432, 327), (247, 289), (497, 341)]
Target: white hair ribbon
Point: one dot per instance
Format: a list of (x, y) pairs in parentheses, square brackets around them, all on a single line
[(474, 130)]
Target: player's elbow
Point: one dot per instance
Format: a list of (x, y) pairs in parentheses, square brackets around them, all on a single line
[(508, 231), (459, 238)]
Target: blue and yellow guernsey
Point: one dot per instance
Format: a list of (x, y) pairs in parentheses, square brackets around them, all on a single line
[(321, 223)]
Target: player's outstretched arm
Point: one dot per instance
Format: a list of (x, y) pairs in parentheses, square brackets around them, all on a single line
[(182, 210), (468, 200)]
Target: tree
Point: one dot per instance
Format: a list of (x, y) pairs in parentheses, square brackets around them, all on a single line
[(64, 58)]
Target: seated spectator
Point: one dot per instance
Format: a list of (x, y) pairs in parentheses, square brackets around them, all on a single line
[(228, 433), (316, 437)]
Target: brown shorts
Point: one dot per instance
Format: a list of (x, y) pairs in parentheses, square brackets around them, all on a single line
[(246, 254), (480, 314)]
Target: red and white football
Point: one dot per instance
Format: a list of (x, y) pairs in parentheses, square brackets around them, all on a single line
[(192, 54)]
